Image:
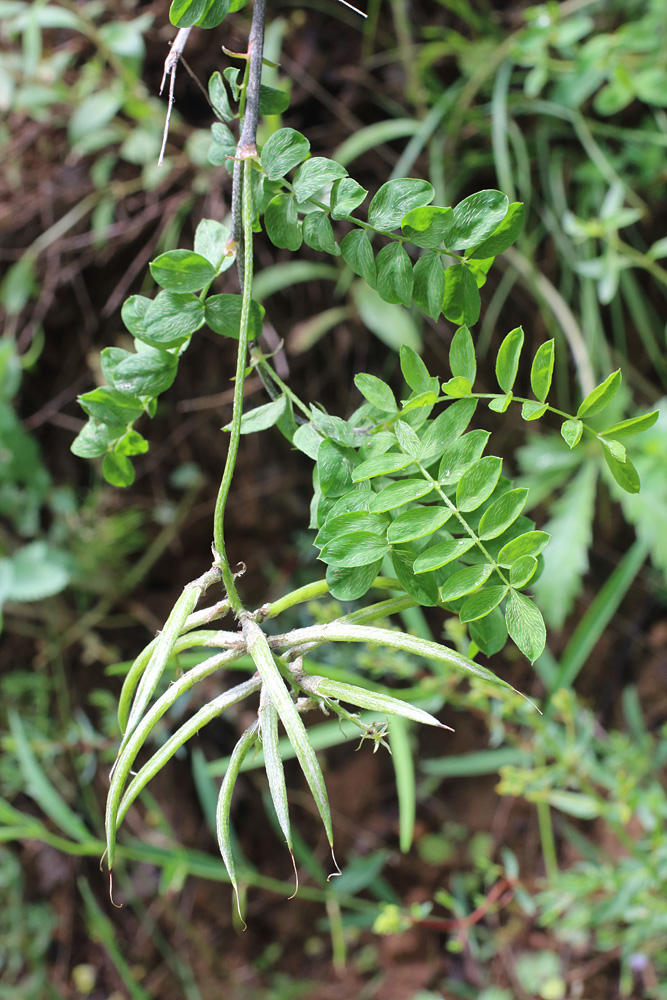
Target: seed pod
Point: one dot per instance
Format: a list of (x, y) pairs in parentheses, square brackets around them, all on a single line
[(373, 700), (273, 764), (222, 813)]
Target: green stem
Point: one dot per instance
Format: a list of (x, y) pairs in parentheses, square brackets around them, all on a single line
[(235, 434)]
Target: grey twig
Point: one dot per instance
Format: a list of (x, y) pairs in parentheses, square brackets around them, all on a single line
[(170, 64)]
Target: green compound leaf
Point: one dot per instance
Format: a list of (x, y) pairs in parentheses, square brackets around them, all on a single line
[(439, 555), (400, 493), (461, 302), (171, 318), (118, 469), (381, 465), (283, 151), (314, 174), (427, 226), (351, 584), (358, 255), (601, 396), (502, 237), (507, 361), (503, 512), (282, 222), (346, 195), (464, 581), (635, 425), (318, 234), (272, 101), (223, 315), (214, 13), (185, 13), (394, 275), (475, 218), (571, 431), (478, 483), (461, 455), (522, 571), (417, 523), (407, 438), (429, 284), (376, 392), (415, 371), (424, 588), (462, 360), (357, 548), (542, 370), (525, 625), (447, 427), (145, 374), (395, 199), (479, 605), (182, 271), (624, 473)]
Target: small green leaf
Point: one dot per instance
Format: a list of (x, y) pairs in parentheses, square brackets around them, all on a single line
[(427, 226), (503, 512), (475, 218), (335, 464), (358, 255), (461, 302), (479, 605), (635, 425), (395, 199), (439, 555), (133, 314), (346, 195), (531, 410), (376, 392), (223, 315), (145, 374), (490, 632), (601, 396), (318, 234), (522, 570), (399, 493), (357, 548), (182, 271), (283, 151), (262, 417), (171, 318), (218, 96), (315, 174), (462, 360), (457, 387), (507, 361), (571, 431), (273, 102), (525, 625), (394, 275), (417, 523), (381, 465), (542, 370), (531, 543), (422, 589), (282, 222), (429, 284), (351, 584), (502, 237), (478, 483), (214, 13), (185, 13), (95, 439), (109, 406), (460, 456), (343, 519), (118, 469), (500, 403), (408, 439), (211, 239), (624, 473), (447, 427), (465, 581), (415, 371)]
